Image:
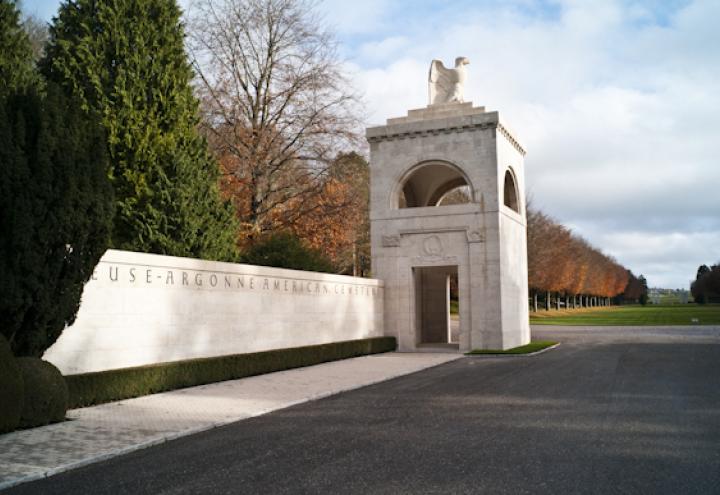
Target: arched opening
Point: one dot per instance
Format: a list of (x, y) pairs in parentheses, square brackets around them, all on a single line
[(510, 193), (458, 196), (434, 184)]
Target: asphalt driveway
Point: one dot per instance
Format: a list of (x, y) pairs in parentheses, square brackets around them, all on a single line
[(633, 410)]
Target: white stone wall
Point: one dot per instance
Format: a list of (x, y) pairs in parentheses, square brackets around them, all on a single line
[(513, 249), (143, 308)]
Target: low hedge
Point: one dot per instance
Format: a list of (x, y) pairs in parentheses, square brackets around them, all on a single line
[(11, 388), (105, 386)]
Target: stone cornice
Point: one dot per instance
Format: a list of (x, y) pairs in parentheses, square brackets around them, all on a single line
[(508, 135), (394, 134), (434, 127)]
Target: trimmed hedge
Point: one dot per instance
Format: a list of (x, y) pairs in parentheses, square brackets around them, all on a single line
[(105, 386), (46, 393), (11, 388)]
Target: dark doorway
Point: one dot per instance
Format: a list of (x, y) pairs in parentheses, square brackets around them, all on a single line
[(437, 305)]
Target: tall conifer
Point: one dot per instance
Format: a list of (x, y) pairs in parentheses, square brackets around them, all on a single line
[(125, 60), (16, 56), (55, 198)]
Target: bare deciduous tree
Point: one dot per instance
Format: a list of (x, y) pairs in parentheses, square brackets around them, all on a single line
[(37, 31), (276, 107)]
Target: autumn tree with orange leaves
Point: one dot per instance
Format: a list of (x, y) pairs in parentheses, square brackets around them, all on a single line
[(340, 223), (564, 266)]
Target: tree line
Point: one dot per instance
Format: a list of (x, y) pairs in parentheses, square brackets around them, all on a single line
[(564, 270)]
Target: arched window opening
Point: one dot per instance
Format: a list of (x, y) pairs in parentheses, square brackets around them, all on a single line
[(435, 184), (510, 192)]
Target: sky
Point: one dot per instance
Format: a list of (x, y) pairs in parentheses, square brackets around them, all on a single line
[(617, 103)]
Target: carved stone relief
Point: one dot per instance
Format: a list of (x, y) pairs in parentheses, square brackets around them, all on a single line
[(475, 236), (391, 241), (432, 246)]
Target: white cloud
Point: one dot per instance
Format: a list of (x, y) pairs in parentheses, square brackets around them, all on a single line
[(354, 17)]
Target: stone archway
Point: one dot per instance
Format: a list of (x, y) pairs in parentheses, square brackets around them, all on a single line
[(426, 184)]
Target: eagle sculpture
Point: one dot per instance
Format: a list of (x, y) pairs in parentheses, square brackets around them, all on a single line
[(446, 85)]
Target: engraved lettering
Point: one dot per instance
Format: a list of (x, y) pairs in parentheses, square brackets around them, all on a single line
[(132, 274), (228, 282), (170, 279), (213, 280), (241, 282), (115, 278), (148, 276), (198, 279), (276, 284), (266, 284), (185, 280)]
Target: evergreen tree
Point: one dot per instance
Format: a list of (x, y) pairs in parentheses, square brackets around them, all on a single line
[(644, 290), (16, 56), (55, 214), (702, 270), (125, 60)]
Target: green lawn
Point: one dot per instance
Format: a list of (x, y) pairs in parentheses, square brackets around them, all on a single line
[(535, 346), (685, 314), (454, 306)]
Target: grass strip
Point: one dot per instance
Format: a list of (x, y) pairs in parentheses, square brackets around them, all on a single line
[(650, 315), (523, 349), (87, 389)]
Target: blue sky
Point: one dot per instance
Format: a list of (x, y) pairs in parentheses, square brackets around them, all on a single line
[(616, 101)]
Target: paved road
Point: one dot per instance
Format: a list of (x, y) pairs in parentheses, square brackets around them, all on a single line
[(632, 411)]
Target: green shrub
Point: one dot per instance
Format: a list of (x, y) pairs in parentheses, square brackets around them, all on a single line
[(11, 388), (285, 250), (105, 386), (46, 393)]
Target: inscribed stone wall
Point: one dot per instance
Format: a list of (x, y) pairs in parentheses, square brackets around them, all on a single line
[(143, 308)]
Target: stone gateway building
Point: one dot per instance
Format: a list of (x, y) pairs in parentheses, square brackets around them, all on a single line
[(420, 248)]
